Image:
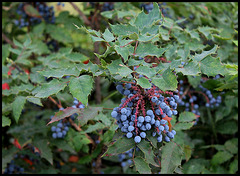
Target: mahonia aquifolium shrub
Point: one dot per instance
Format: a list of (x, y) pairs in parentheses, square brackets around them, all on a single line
[(145, 110)]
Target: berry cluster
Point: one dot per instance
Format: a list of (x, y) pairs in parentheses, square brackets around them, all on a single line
[(12, 168), (192, 99), (46, 13), (107, 6), (134, 119)]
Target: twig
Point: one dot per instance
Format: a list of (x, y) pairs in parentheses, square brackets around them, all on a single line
[(58, 105), (84, 18), (8, 40)]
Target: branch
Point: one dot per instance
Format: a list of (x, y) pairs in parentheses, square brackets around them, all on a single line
[(84, 18), (58, 105), (8, 40)]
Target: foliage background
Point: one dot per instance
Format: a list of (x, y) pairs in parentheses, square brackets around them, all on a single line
[(209, 147)]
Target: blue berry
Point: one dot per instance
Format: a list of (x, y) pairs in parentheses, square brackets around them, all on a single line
[(147, 119), (167, 139), (123, 111), (53, 128), (140, 119), (143, 134), (114, 114), (137, 139), (54, 135), (130, 128), (129, 135)]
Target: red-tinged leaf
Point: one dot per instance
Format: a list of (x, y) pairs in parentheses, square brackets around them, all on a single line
[(28, 161), (31, 11), (64, 113), (16, 143)]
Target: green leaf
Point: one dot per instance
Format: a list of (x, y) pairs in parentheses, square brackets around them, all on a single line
[(144, 82), (171, 157), (149, 49), (232, 145), (123, 51), (34, 100), (123, 30), (61, 114), (199, 57), (18, 105), (108, 36), (47, 89), (6, 121), (60, 72), (143, 19), (105, 119), (167, 81), (45, 150), (195, 166), (120, 146), (194, 81), (77, 57), (95, 127), (212, 66), (188, 152), (145, 70), (81, 87), (124, 71), (59, 33), (183, 126), (221, 157), (88, 113), (192, 68), (141, 165), (228, 127), (149, 156), (233, 168), (186, 117), (7, 156)]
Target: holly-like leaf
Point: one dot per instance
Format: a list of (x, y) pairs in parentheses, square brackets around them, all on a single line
[(123, 51), (124, 71), (120, 146), (199, 57), (108, 36), (61, 114), (212, 66), (145, 70), (171, 157), (34, 100), (60, 72), (18, 105), (167, 81), (191, 68), (81, 87), (45, 150), (144, 82), (88, 113), (47, 89), (123, 30), (141, 165), (143, 19), (146, 148), (31, 11), (149, 49), (77, 57)]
